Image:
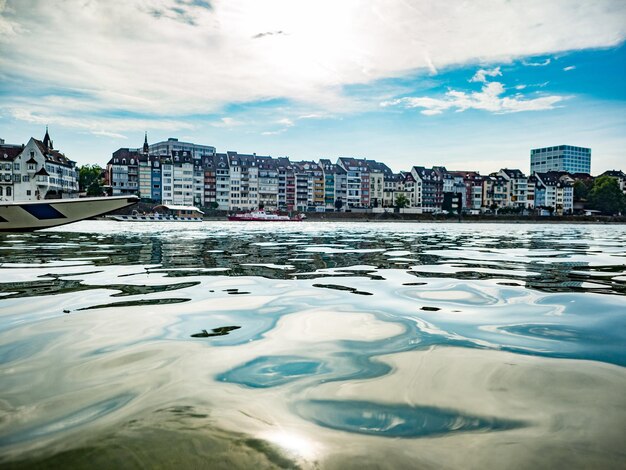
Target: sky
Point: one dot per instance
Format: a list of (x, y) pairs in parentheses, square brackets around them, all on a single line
[(472, 85)]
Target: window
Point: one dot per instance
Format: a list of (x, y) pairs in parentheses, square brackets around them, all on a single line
[(28, 192), (16, 166), (8, 190), (1, 190), (26, 178)]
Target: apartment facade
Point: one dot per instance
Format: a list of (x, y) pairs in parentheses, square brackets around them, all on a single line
[(517, 187), (553, 191), (428, 188)]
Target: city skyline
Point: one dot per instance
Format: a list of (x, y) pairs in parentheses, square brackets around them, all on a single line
[(401, 83)]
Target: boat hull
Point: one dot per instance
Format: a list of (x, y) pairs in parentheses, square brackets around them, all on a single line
[(27, 216), (152, 218), (253, 219)]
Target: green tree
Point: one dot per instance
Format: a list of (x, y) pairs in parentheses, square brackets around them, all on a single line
[(402, 201), (90, 180), (606, 196), (581, 191)]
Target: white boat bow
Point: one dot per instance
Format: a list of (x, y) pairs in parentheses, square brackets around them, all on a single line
[(36, 215)]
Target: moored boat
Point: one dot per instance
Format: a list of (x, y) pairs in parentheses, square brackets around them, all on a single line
[(262, 216), (27, 216), (164, 213)]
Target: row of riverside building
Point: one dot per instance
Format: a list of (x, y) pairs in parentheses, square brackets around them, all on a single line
[(181, 173)]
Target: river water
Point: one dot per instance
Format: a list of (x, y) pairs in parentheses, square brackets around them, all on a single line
[(313, 345)]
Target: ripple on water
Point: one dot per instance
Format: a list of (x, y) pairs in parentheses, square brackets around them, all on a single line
[(556, 293), (78, 418), (404, 421), (272, 371), (549, 332)]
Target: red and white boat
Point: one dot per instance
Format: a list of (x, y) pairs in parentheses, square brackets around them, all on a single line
[(262, 216)]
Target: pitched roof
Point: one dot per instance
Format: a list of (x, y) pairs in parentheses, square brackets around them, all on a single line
[(351, 163), (553, 178), (379, 167), (426, 172), (466, 174), (615, 174), (9, 153), (513, 173), (53, 156)]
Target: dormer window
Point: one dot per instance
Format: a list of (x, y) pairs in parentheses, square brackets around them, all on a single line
[(31, 166)]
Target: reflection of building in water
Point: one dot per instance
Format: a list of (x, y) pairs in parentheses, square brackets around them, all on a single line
[(556, 276)]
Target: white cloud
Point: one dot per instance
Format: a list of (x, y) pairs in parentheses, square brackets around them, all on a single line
[(104, 133), (286, 122), (96, 126), (313, 116), (227, 122), (482, 74), (184, 57), (567, 69), (538, 64), (520, 87), (490, 98)]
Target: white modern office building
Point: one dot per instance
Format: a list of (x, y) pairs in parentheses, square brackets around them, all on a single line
[(561, 158)]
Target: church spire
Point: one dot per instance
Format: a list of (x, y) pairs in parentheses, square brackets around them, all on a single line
[(47, 141), (146, 149)]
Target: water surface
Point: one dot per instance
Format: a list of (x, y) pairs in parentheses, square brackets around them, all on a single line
[(313, 345)]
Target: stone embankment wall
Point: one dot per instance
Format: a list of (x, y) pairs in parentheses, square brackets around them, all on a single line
[(396, 217)]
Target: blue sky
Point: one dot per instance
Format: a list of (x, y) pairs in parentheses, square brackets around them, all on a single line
[(470, 85)]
